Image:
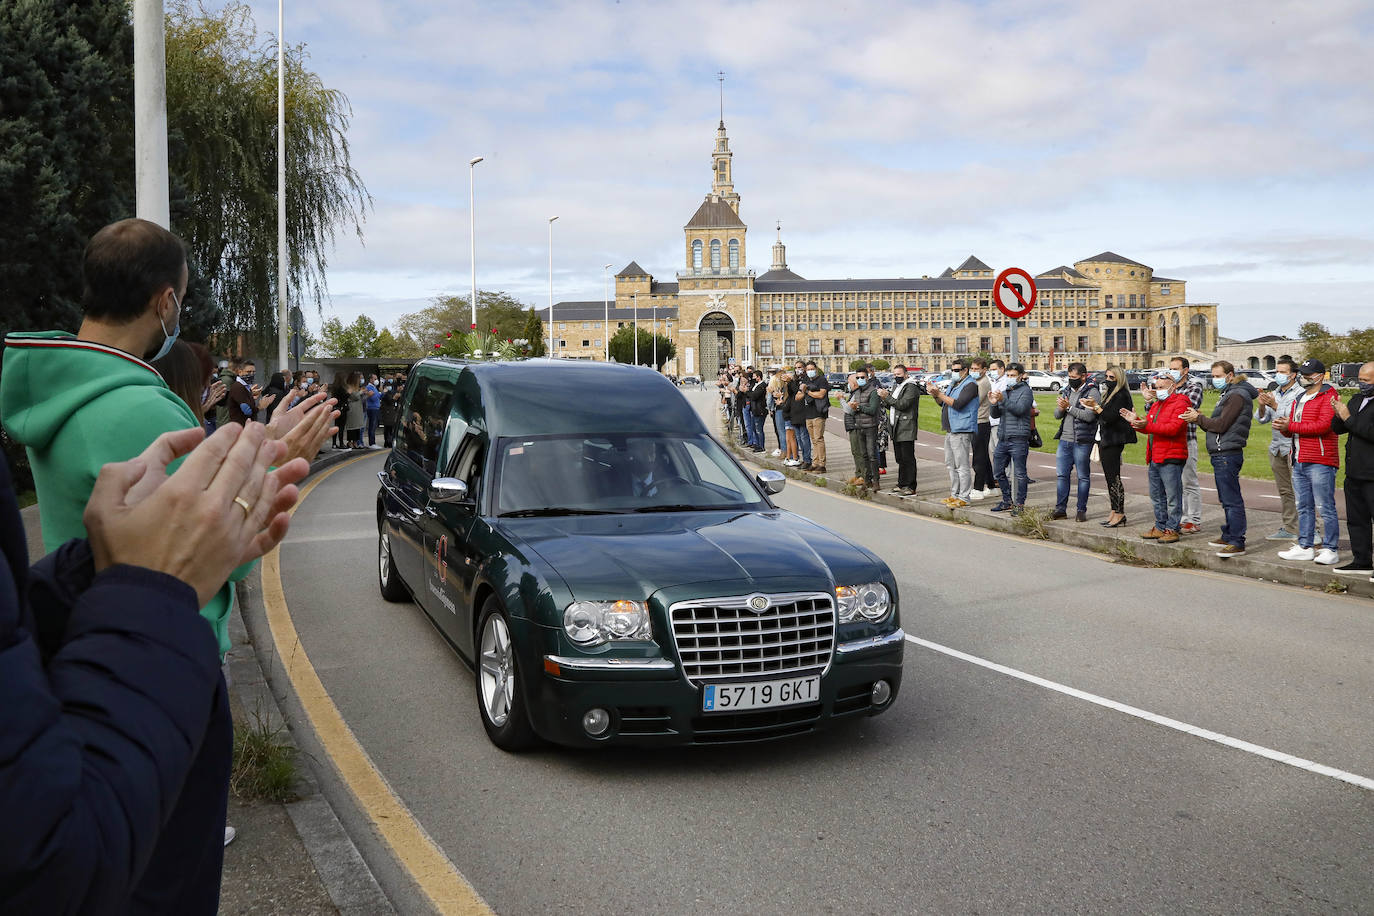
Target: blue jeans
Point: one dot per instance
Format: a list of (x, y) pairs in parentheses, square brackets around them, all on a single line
[(1012, 451), (756, 429), (1315, 487), (1166, 492), (1069, 457), (1226, 471), (780, 427), (803, 442), (372, 414)]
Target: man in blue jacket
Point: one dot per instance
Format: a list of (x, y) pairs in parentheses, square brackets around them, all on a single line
[(959, 420), (115, 736)]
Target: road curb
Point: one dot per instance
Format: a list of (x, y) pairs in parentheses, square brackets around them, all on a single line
[(1128, 550), (350, 883)]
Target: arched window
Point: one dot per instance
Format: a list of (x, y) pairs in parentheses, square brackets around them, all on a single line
[(734, 254), (696, 254), (715, 254), (1269, 363), (1254, 362)]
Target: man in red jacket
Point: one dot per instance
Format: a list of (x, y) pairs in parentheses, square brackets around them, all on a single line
[(1166, 452), (1316, 456)]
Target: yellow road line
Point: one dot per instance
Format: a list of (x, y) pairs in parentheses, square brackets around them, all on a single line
[(432, 870)]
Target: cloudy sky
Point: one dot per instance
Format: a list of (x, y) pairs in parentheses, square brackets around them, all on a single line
[(1230, 144)]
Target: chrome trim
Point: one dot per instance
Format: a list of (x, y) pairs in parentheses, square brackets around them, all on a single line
[(688, 637), (612, 664), (872, 642)]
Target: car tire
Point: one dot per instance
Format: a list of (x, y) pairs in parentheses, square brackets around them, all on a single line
[(388, 580), (1054, 386), (500, 688)]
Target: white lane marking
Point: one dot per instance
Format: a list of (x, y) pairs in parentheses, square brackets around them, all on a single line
[(349, 536), (1320, 769)]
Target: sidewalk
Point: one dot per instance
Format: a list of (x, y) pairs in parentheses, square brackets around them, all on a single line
[(1123, 544), (287, 859)]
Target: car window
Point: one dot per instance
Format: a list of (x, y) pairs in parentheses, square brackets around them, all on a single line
[(467, 464), (425, 420), (617, 473)]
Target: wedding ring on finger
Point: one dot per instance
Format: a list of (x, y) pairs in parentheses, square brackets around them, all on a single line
[(244, 505)]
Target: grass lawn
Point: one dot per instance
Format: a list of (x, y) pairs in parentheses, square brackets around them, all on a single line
[(1256, 449)]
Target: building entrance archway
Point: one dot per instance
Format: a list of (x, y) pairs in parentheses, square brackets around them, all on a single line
[(717, 331)]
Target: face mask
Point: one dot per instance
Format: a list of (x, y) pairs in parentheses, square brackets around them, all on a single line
[(862, 382), (898, 379), (169, 339), (994, 374), (1367, 389), (811, 373), (1013, 381), (1309, 381), (1283, 378), (1218, 383), (977, 373), (1176, 374), (1163, 390), (1075, 383)]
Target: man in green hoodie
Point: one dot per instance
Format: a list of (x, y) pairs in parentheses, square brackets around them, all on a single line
[(80, 402)]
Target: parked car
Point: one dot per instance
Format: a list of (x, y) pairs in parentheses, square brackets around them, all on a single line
[(691, 381), (837, 379), (1258, 378), (1043, 381), (612, 574), (1345, 375), (1137, 377)]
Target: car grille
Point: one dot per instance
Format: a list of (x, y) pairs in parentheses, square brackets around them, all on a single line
[(724, 639)]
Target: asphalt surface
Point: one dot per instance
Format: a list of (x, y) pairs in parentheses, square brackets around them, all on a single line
[(976, 792)]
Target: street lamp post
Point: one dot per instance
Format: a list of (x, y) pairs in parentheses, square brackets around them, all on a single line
[(150, 113), (283, 327), (552, 352), (654, 325), (636, 324), (606, 295), (472, 230)]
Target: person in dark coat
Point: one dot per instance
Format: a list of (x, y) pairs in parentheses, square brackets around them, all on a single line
[(1356, 419), (1114, 433), (115, 735)]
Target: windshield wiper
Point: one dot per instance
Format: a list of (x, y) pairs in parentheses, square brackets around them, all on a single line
[(680, 507), (555, 510)]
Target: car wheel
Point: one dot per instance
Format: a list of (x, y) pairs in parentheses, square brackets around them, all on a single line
[(1054, 386), (500, 693), (392, 588)]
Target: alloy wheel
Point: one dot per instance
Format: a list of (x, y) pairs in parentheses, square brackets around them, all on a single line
[(497, 671)]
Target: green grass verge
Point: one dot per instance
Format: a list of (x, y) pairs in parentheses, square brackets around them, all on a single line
[(264, 769)]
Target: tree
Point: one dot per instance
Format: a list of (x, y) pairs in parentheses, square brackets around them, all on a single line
[(1318, 343), (881, 365), (222, 149), (497, 312), (66, 149), (349, 341), (623, 347), (534, 335)]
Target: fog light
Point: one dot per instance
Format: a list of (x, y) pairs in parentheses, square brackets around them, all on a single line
[(882, 692), (595, 722)]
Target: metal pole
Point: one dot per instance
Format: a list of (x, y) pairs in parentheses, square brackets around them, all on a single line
[(654, 325), (636, 324), (472, 231), (606, 296), (551, 352), (150, 113), (283, 328), (1015, 358)]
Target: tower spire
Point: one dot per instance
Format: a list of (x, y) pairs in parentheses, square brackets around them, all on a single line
[(779, 251), (720, 77)]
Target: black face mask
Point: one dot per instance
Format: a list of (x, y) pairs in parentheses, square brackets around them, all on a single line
[(1075, 383)]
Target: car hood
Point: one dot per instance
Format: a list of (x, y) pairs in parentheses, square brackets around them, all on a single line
[(618, 556)]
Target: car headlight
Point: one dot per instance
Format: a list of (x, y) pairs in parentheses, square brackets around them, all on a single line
[(590, 623), (869, 601)]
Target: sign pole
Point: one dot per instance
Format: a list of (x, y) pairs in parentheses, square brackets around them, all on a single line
[(1015, 352)]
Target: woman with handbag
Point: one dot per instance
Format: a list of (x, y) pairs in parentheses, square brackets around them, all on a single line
[(1114, 433)]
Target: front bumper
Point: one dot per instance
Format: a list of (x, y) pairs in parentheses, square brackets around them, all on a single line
[(651, 703)]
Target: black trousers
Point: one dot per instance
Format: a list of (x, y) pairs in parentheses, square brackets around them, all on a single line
[(906, 463), (1110, 458), (982, 461), (1359, 514), (868, 441)]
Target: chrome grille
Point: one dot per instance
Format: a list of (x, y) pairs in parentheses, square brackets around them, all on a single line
[(724, 638)]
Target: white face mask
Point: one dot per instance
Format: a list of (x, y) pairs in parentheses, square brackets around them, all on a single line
[(994, 374)]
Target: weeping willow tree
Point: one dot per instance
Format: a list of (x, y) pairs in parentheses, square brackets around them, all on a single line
[(222, 122)]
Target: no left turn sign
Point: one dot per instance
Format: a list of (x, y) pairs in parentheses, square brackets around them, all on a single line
[(1014, 292)]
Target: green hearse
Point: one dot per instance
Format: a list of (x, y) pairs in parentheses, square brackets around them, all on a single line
[(612, 574)]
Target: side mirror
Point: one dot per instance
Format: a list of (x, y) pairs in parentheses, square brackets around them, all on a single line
[(448, 490), (771, 481)]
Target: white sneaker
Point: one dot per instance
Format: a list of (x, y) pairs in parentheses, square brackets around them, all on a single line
[(776, 453), (229, 834), (1328, 557), (992, 491), (791, 462), (1296, 552), (976, 494)]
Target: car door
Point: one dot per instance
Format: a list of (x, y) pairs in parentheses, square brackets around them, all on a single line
[(418, 443), (451, 529)]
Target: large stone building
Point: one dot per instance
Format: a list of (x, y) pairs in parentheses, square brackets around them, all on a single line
[(1104, 309)]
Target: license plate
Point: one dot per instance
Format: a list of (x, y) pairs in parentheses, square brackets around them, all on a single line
[(761, 694)]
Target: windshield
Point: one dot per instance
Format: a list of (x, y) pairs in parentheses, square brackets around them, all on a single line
[(640, 472)]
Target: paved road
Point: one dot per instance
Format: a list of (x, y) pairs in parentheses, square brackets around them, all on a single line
[(977, 792)]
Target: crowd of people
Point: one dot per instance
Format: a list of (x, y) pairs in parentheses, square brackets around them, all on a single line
[(115, 732), (988, 418)]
